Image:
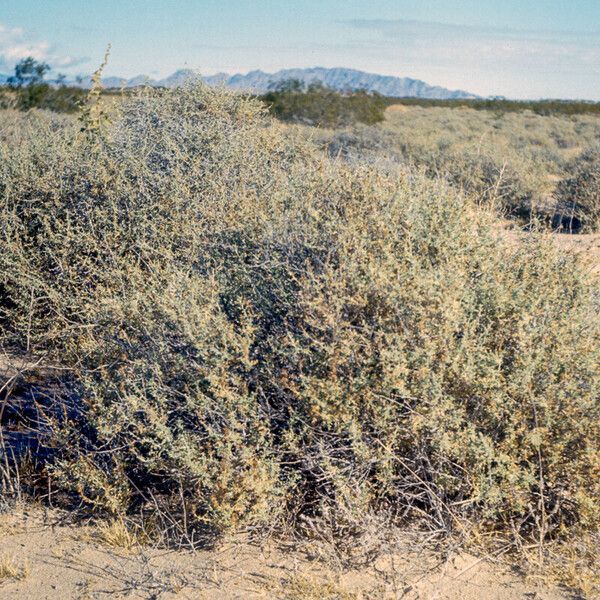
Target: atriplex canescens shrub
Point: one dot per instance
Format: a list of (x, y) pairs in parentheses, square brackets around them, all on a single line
[(251, 332)]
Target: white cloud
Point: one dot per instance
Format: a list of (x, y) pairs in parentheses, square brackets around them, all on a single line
[(16, 45), (488, 60)]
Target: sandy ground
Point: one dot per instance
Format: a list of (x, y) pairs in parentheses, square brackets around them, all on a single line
[(54, 561)]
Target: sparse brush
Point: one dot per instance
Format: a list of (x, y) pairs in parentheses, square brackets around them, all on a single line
[(578, 195), (254, 334), (509, 160)]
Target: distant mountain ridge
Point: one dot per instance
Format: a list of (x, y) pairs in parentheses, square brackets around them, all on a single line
[(340, 79), (336, 78)]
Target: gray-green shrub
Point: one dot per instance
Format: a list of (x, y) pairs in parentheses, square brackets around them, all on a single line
[(578, 195), (253, 333), (510, 160)]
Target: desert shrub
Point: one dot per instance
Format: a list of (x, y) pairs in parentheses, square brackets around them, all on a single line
[(578, 195), (164, 376), (252, 333), (318, 105), (510, 159), (490, 178)]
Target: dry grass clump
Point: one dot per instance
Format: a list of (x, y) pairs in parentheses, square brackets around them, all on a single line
[(579, 194), (255, 335), (575, 564), (10, 568), (117, 534), (300, 587)]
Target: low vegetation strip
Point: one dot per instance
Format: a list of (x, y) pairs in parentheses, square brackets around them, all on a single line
[(505, 105), (253, 335)]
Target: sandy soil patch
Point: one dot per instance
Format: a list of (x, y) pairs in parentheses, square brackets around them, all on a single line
[(56, 560)]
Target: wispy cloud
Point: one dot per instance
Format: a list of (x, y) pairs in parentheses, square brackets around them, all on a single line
[(15, 45), (481, 58), (393, 27)]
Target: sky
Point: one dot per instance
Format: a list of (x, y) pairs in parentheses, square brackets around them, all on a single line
[(514, 48)]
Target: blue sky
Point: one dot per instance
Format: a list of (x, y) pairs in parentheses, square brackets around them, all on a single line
[(517, 48)]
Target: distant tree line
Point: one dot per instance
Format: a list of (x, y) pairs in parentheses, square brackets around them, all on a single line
[(315, 104)]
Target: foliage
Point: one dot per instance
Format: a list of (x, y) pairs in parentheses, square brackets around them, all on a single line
[(508, 160), (253, 334), (29, 72), (30, 89), (579, 194), (93, 115), (316, 104)]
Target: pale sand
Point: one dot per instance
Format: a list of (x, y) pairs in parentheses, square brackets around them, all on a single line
[(64, 562)]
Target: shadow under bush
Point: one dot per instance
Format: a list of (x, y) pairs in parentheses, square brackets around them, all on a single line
[(256, 334)]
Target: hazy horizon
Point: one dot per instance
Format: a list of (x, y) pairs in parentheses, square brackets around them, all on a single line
[(526, 49)]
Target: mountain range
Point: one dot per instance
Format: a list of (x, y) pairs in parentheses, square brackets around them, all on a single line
[(337, 78), (259, 82)]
